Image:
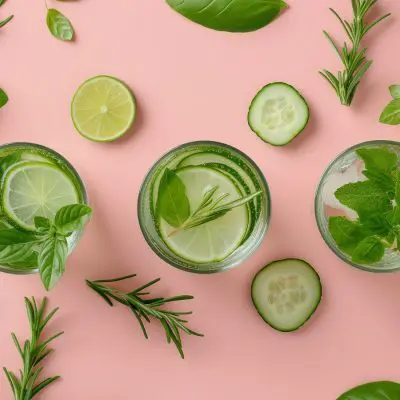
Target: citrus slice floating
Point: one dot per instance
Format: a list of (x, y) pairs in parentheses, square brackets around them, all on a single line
[(36, 189), (103, 109)]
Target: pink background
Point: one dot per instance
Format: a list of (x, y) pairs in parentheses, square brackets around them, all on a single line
[(193, 83)]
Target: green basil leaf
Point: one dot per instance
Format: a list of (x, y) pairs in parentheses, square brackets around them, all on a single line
[(384, 390), (369, 251), (391, 113), (347, 234), (42, 222), (172, 203), (228, 15), (59, 25), (21, 254), (9, 236), (3, 98), (365, 197), (6, 21), (395, 91), (72, 217), (51, 260)]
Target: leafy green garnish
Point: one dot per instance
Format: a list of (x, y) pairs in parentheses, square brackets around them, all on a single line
[(228, 15), (173, 204), (3, 98), (59, 25), (391, 113), (395, 91), (377, 203), (381, 390), (47, 247), (33, 352), (144, 308), (355, 63)]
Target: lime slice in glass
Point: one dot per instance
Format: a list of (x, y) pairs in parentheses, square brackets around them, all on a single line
[(36, 189), (214, 240), (103, 109)]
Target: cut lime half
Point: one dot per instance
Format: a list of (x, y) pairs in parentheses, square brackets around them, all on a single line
[(103, 109), (214, 240), (36, 189)]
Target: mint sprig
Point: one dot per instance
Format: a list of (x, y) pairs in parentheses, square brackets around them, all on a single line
[(47, 247), (377, 203)]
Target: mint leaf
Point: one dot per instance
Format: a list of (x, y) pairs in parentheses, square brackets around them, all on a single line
[(172, 203), (42, 222), (378, 159), (364, 197), (51, 260), (59, 25), (3, 98), (395, 91), (375, 224), (369, 251), (391, 113), (72, 217), (347, 234)]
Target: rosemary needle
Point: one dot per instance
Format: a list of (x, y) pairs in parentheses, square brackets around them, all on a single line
[(145, 308)]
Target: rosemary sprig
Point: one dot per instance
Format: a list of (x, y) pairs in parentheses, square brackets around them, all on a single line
[(8, 19), (210, 208), (355, 63), (33, 352), (145, 308)]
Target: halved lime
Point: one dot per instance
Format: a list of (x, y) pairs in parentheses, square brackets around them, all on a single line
[(215, 240), (32, 189), (103, 109)]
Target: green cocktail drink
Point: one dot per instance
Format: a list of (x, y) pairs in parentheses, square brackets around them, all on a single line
[(204, 207)]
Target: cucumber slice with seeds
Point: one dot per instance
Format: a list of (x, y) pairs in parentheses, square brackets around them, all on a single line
[(278, 113), (286, 293)]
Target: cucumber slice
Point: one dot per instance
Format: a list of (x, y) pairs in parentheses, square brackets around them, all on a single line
[(278, 113), (286, 293)]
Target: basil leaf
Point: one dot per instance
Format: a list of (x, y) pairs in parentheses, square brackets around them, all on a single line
[(51, 260), (384, 390), (72, 217), (228, 15), (42, 222), (395, 91), (59, 25), (3, 98), (369, 250), (21, 254), (391, 113), (13, 236), (172, 203), (6, 21), (347, 234)]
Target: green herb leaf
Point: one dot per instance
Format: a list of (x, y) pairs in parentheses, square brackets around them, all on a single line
[(369, 251), (6, 21), (391, 113), (172, 203), (228, 15), (22, 254), (395, 91), (347, 234), (72, 217), (59, 25), (13, 236), (3, 98), (384, 390), (378, 159), (52, 258), (42, 222), (364, 197), (8, 161)]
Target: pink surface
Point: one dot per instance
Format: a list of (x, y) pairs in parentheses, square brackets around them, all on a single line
[(193, 83)]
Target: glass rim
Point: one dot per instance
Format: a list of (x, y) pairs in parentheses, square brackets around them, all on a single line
[(318, 196), (267, 217), (85, 196)]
